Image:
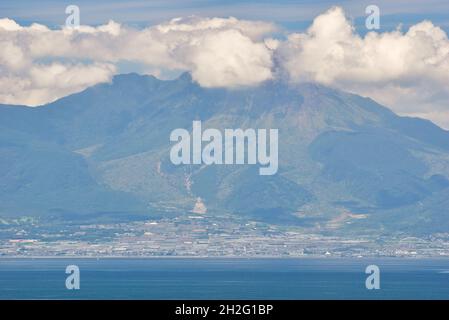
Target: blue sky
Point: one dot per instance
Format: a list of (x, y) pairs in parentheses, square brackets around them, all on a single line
[(291, 14)]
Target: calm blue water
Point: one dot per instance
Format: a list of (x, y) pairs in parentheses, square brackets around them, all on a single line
[(223, 279)]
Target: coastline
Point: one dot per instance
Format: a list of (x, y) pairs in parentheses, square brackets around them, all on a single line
[(222, 258)]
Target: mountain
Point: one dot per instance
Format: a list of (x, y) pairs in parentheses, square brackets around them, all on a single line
[(346, 163)]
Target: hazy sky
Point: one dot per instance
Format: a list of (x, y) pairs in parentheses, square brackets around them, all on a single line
[(292, 14)]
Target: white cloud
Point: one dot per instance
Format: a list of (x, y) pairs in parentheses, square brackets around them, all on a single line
[(43, 83), (218, 52), (227, 58), (9, 25), (25, 79), (407, 71)]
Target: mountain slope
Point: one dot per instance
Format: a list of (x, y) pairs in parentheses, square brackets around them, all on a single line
[(342, 157)]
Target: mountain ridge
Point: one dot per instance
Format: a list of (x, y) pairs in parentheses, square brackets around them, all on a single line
[(338, 153)]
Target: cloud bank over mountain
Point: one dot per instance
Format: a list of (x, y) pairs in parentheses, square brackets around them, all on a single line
[(406, 70)]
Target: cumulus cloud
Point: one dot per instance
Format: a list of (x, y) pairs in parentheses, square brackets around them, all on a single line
[(229, 59), (408, 71), (405, 70), (38, 65), (25, 77)]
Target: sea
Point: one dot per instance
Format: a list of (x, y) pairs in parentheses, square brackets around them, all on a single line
[(223, 278)]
